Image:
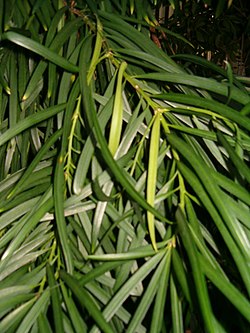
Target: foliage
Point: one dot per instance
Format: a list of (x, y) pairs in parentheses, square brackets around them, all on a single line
[(124, 178)]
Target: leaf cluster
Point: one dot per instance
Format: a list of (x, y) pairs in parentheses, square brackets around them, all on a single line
[(124, 178)]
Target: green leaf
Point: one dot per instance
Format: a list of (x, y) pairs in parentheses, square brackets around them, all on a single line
[(237, 161), (55, 298), (148, 296), (12, 320), (127, 287), (199, 279), (176, 308), (198, 82), (86, 301), (30, 121), (35, 161), (152, 174), (76, 318), (116, 122), (204, 198), (33, 314), (40, 50), (226, 287), (13, 296), (43, 324)]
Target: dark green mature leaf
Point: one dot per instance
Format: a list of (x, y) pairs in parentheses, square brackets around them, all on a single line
[(199, 279), (29, 122), (33, 314), (39, 49), (86, 301), (200, 83), (228, 289), (203, 196), (55, 299)]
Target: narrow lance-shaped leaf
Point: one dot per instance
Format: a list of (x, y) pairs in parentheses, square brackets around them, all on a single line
[(77, 321), (86, 301), (230, 80), (30, 121), (39, 49), (32, 218), (199, 279), (13, 107), (148, 296), (180, 273), (208, 204), (43, 324), (200, 83), (204, 103), (176, 308), (116, 122), (160, 299), (59, 192), (152, 174), (35, 161), (123, 293), (59, 181), (55, 299), (12, 320), (114, 22), (34, 312), (97, 51), (241, 167), (226, 287)]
